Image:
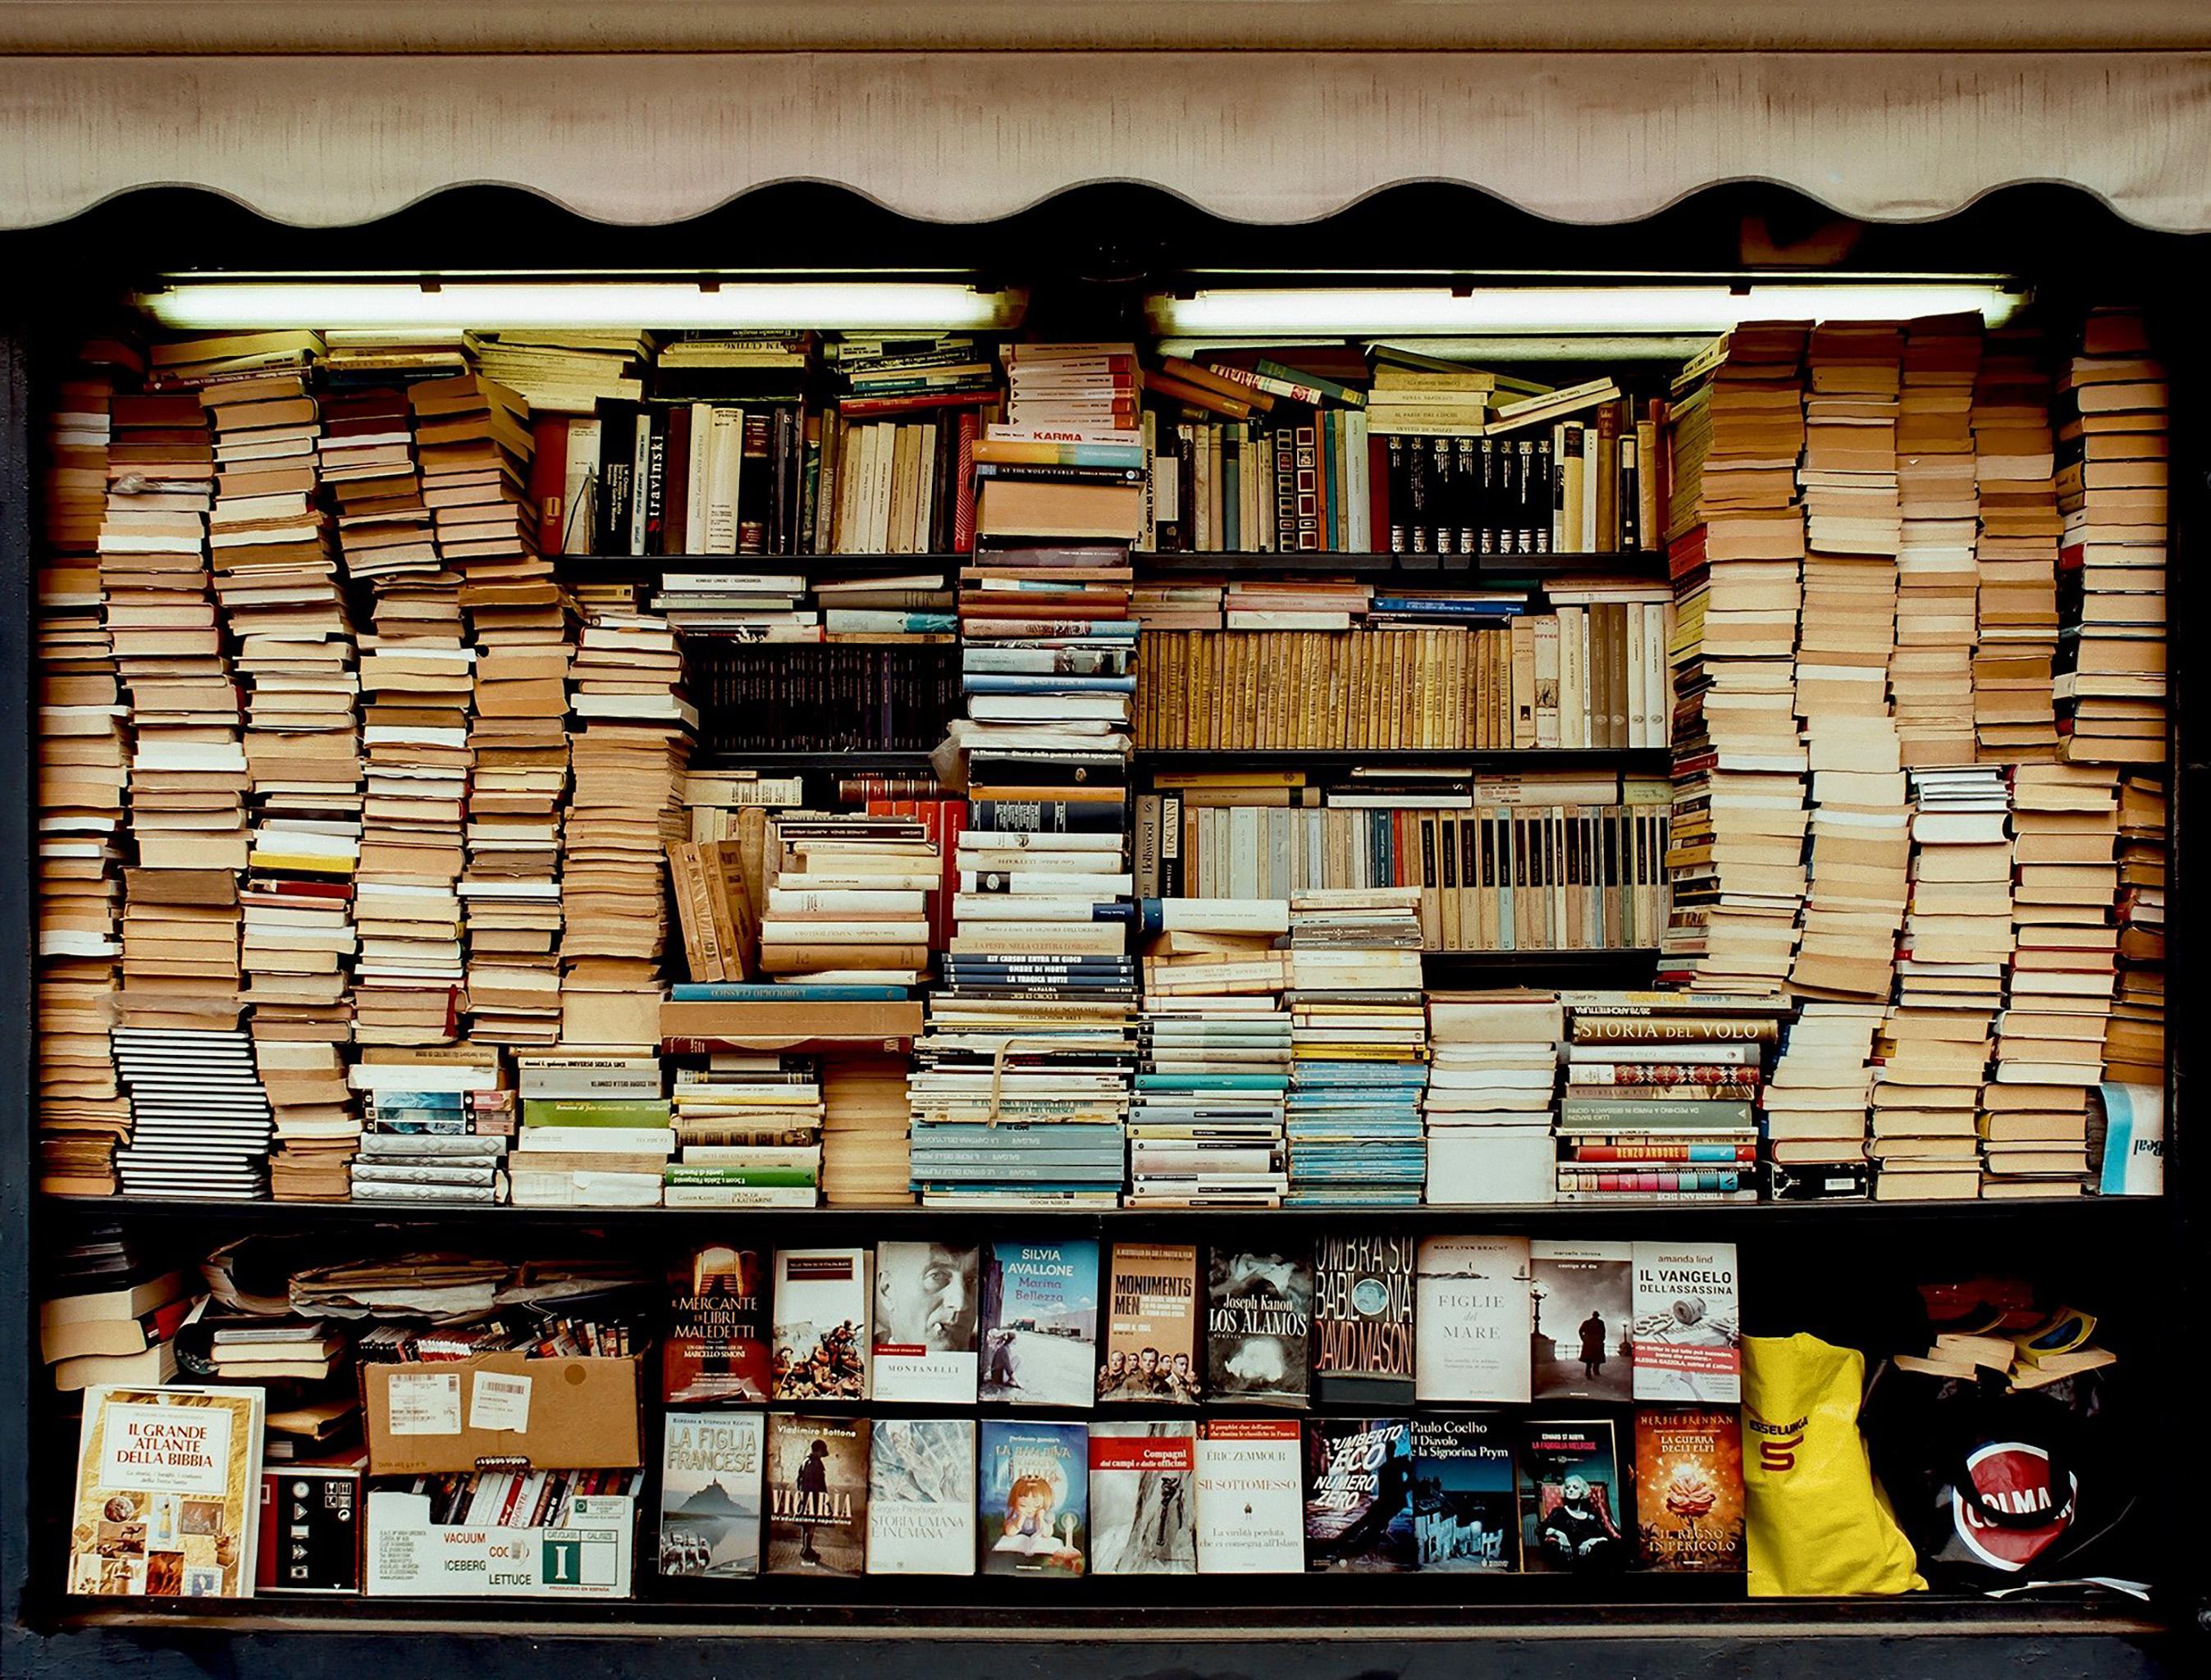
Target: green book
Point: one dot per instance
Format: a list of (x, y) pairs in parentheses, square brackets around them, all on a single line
[(596, 1111), (756, 1177)]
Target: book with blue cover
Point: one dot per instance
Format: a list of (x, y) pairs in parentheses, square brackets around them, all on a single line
[(1033, 1498), (1465, 1517), (1039, 1323)]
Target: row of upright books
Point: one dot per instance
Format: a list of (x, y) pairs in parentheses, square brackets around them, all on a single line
[(837, 1496), (1414, 675)]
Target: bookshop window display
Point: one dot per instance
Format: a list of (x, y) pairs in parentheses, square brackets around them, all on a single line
[(697, 967)]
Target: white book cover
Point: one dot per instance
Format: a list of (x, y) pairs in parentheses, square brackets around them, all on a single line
[(921, 1492), (924, 1329), (1250, 1513), (1689, 1323), (1472, 1310)]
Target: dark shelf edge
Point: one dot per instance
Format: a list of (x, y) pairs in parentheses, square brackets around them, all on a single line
[(1179, 758), (1419, 1213), (1597, 1620)]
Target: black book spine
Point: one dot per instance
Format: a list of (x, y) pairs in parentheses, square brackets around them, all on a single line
[(617, 445), (1467, 473), (1540, 473)]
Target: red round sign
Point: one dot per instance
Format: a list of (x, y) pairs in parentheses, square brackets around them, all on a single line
[(2012, 1477)]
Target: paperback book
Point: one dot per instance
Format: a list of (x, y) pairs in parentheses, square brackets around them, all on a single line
[(1583, 1298), (921, 1497), (1258, 1325), (1688, 1487), (1463, 1514), (1687, 1340), (925, 1314), (820, 1323), (1151, 1327), (1359, 1494), (1362, 1325), (1570, 1504), (1144, 1498), (1039, 1323), (711, 1466), (1250, 1496), (817, 1498), (168, 1492), (716, 1344), (1032, 1502), (1473, 1313)]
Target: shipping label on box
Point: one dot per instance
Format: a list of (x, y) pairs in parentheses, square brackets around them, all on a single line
[(588, 1556)]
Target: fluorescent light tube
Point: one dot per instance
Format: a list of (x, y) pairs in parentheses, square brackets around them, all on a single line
[(784, 306), (1347, 311)]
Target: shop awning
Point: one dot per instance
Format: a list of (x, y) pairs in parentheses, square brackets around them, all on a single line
[(638, 136)]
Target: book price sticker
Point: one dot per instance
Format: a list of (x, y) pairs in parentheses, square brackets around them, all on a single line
[(498, 1402), (424, 1402)]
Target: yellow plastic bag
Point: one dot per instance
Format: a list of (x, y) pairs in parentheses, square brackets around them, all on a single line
[(1819, 1524)]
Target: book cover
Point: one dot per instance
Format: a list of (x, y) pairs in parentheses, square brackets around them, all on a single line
[(820, 1323), (1250, 1496), (716, 1344), (1144, 1498), (1039, 1323), (921, 1497), (1688, 1487), (711, 1465), (1464, 1517), (1475, 1318), (168, 1492), (1151, 1327), (1033, 1498), (1569, 1492), (1258, 1325), (817, 1494), (308, 1534), (1359, 1494), (1362, 1320), (1687, 1335), (925, 1312), (1581, 1297)]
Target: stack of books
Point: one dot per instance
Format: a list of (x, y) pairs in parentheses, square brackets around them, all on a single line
[(1935, 1044), (177, 1013), (437, 1125), (1817, 1098), (2050, 1038), (276, 577), (416, 677), (510, 885), (1174, 606), (1205, 1129), (2112, 450), (83, 773), (2015, 712), (1072, 408), (866, 1159), (2133, 1042), (762, 606), (200, 1125), (631, 742), (599, 1152), (1664, 1094), (1358, 1035), (1736, 548), (848, 900), (1860, 843), (895, 481), (1493, 1095), (473, 444), (747, 1133), (567, 371), (1931, 674)]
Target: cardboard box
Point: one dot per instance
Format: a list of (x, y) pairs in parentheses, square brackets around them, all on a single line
[(310, 1528), (551, 1414), (586, 1557)]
